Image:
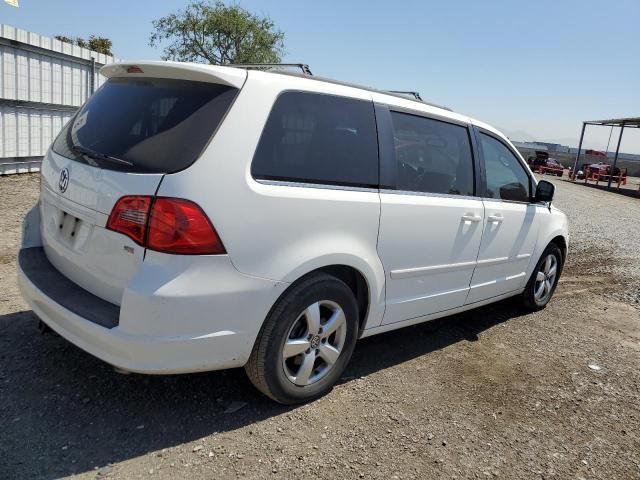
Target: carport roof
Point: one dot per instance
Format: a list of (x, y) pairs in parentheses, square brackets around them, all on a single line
[(633, 122), (629, 122)]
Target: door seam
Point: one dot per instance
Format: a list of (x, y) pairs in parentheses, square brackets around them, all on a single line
[(484, 228)]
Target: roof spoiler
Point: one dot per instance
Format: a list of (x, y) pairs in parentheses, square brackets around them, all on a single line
[(232, 77)]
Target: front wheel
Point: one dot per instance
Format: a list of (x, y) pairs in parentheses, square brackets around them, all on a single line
[(306, 341), (544, 279)]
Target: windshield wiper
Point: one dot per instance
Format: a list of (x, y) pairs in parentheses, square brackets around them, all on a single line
[(100, 156)]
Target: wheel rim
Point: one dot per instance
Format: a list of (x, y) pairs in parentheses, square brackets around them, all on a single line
[(546, 278), (314, 343)]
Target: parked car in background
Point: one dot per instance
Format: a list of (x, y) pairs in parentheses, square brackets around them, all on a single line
[(602, 168), (196, 217), (544, 164), (553, 167)]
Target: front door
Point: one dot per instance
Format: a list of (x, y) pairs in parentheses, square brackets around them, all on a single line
[(510, 224), (431, 223)]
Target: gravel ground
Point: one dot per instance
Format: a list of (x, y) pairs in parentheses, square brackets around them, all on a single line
[(496, 392), (605, 234)]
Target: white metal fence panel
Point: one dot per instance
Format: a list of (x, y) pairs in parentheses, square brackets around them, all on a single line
[(42, 83), (28, 132)]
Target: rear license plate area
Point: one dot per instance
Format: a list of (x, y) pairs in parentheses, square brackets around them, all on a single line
[(68, 227)]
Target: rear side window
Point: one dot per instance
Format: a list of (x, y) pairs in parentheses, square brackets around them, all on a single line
[(145, 125), (317, 138), (506, 177), (432, 156)]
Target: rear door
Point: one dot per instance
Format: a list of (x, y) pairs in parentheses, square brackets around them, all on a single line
[(511, 221), (130, 133), (431, 220)]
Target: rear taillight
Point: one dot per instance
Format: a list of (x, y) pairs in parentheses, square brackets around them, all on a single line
[(180, 226), (129, 216), (169, 225)]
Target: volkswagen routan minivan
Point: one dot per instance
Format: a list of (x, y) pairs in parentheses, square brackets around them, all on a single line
[(196, 217)]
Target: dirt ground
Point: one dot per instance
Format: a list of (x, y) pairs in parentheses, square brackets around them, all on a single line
[(496, 392)]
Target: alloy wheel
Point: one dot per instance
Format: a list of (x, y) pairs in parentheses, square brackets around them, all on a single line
[(545, 278), (314, 343)]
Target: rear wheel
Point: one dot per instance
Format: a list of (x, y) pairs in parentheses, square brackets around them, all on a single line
[(306, 341), (544, 279)]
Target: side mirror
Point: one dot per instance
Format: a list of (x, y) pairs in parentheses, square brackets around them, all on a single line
[(544, 191)]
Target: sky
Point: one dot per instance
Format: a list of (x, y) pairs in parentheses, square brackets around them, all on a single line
[(533, 68)]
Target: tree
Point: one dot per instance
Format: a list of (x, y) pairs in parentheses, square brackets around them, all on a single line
[(214, 33), (97, 44), (100, 45)]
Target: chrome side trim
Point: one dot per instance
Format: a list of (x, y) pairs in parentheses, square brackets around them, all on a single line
[(451, 195), (500, 200), (517, 275), (323, 186), (418, 271), (289, 183), (498, 260), (429, 194), (426, 297), (498, 280)]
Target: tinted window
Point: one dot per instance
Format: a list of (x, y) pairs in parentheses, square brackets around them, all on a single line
[(319, 139), (158, 125), (506, 177), (432, 156)]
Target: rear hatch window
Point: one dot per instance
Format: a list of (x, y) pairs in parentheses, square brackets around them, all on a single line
[(145, 125)]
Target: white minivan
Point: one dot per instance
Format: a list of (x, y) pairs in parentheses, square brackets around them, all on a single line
[(196, 217)]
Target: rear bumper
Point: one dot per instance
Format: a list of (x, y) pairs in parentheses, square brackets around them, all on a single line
[(177, 315), (35, 265)]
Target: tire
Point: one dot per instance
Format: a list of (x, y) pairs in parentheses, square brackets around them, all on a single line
[(536, 296), (288, 376)]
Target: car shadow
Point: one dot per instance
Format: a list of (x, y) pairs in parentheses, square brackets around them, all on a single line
[(65, 412)]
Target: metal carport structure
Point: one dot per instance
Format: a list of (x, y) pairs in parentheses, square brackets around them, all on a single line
[(631, 122)]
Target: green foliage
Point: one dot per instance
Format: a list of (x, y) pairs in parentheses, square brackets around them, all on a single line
[(214, 33), (81, 42), (97, 44), (100, 45)]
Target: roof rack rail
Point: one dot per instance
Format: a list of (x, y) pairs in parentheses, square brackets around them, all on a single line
[(272, 66), (306, 71), (415, 95)]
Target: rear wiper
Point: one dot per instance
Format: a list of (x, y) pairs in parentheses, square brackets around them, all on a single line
[(101, 156)]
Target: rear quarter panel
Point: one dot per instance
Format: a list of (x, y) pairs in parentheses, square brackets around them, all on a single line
[(281, 232)]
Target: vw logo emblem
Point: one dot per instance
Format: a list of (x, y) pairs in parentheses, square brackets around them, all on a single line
[(63, 183)]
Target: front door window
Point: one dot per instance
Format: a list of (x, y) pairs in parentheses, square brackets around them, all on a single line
[(506, 177)]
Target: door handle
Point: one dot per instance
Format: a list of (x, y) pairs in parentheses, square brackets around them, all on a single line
[(495, 218), (470, 217)]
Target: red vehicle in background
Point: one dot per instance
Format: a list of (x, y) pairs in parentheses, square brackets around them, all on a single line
[(601, 169), (542, 163), (603, 172)]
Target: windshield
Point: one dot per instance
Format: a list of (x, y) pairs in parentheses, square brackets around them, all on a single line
[(145, 125)]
